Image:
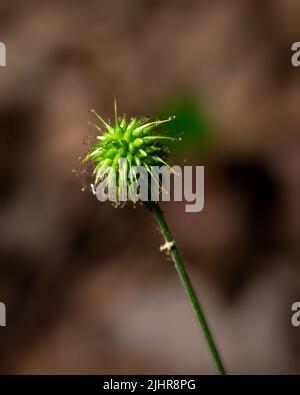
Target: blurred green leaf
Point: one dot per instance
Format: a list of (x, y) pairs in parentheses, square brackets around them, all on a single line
[(191, 123)]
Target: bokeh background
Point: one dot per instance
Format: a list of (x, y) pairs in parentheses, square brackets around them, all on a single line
[(86, 288)]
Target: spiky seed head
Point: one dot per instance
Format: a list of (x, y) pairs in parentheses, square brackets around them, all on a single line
[(137, 141)]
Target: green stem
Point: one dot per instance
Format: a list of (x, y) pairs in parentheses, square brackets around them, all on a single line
[(155, 209)]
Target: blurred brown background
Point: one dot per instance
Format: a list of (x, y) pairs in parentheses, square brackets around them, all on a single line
[(86, 288)]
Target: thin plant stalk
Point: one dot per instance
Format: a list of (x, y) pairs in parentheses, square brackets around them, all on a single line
[(186, 282)]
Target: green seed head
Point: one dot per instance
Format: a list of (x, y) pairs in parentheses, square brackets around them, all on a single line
[(137, 142)]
